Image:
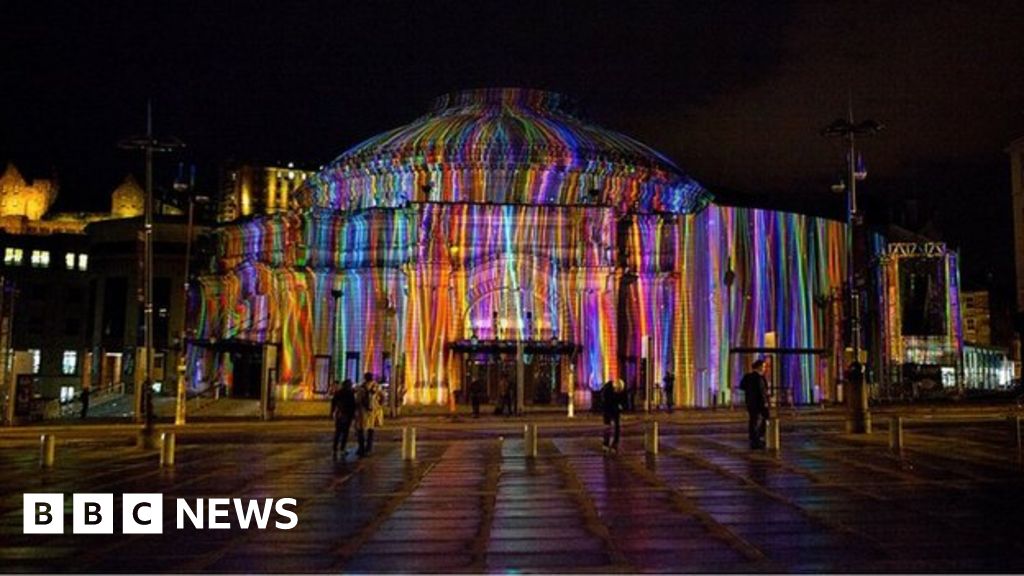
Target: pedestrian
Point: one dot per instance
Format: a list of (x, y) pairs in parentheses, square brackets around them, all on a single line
[(476, 393), (670, 384), (84, 397), (755, 392), (343, 410), (369, 412), (505, 391), (611, 405), (150, 411)]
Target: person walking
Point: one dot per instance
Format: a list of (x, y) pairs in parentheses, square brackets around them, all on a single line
[(755, 392), (369, 412), (343, 410), (86, 391), (670, 385), (611, 406), (505, 389), (476, 394)]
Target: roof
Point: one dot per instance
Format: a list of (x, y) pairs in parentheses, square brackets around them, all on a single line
[(505, 145)]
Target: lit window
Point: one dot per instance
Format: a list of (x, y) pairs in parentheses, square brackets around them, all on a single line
[(69, 365), (40, 258), (13, 256), (36, 356), (83, 262), (69, 260), (67, 394)]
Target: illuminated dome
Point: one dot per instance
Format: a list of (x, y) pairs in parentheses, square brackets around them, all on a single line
[(504, 146), (128, 200)]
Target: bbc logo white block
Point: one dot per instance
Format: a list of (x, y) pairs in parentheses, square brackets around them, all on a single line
[(142, 514), (43, 513), (92, 514)]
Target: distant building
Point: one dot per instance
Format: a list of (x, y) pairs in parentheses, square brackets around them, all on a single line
[(977, 317), (116, 327), (70, 315), (251, 190)]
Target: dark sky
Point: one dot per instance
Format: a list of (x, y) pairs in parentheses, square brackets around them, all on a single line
[(736, 93)]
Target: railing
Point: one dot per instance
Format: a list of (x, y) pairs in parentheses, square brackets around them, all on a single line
[(98, 396), (201, 398)]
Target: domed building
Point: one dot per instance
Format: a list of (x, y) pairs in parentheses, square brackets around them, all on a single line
[(128, 200), (503, 237)]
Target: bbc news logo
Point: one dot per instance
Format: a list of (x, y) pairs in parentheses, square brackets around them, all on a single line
[(144, 513)]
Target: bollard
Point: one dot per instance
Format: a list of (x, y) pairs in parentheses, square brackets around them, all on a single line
[(896, 433), (167, 449), (530, 440), (774, 434), (47, 450), (408, 443), (651, 438)]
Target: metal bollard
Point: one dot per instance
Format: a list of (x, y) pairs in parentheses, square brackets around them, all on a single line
[(651, 438), (167, 449), (896, 433), (47, 450), (530, 440), (408, 443), (774, 434)]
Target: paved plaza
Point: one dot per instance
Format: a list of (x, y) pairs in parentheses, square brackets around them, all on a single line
[(473, 502)]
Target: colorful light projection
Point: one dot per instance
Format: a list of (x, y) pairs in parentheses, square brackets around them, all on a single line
[(504, 146), (410, 282), (501, 216)]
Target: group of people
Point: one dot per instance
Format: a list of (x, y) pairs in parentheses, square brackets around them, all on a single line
[(361, 405)]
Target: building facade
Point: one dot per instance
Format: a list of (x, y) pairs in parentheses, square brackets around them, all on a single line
[(70, 312), (501, 236)]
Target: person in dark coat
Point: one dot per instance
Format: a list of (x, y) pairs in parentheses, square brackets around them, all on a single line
[(611, 406), (755, 392), (86, 391), (670, 385), (476, 395), (505, 391), (343, 410)]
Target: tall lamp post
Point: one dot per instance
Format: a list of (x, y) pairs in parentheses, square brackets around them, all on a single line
[(338, 350), (859, 417), (148, 144), (193, 199)]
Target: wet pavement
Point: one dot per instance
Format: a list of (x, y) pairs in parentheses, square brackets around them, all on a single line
[(473, 502)]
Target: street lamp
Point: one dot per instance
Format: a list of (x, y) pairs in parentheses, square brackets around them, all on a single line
[(193, 199), (336, 293), (859, 420), (148, 144)]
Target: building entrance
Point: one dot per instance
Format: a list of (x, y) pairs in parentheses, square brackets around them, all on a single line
[(495, 364)]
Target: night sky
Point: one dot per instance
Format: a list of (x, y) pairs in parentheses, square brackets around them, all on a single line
[(735, 93)]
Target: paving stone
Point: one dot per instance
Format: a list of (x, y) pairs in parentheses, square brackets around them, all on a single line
[(535, 545), (554, 562), (409, 563), (832, 505)]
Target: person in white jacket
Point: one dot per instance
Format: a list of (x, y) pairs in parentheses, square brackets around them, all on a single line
[(369, 413)]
